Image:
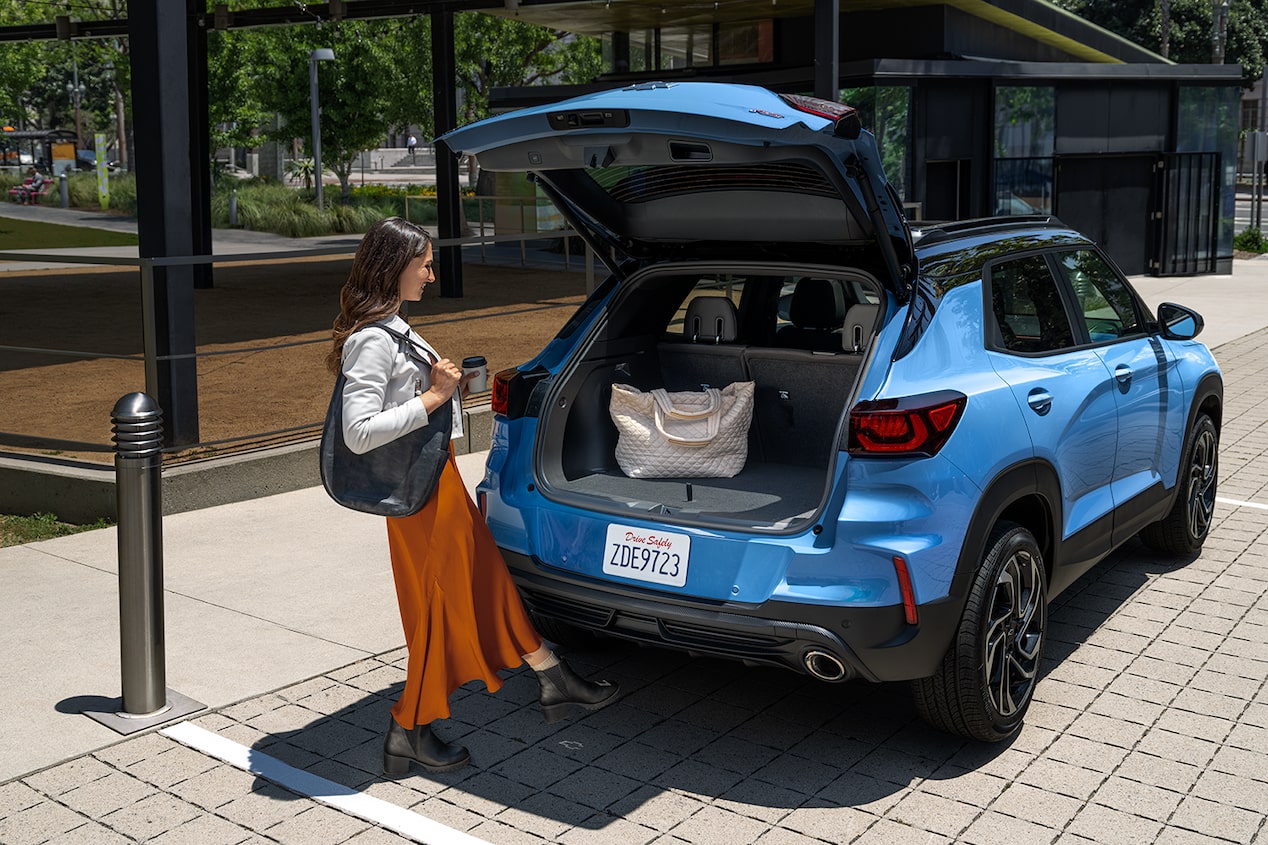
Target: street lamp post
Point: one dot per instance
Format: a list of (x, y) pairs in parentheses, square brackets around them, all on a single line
[(76, 90), (1219, 30), (321, 54)]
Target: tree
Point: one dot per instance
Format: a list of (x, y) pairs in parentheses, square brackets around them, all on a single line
[(503, 52), (1189, 30), (357, 91)]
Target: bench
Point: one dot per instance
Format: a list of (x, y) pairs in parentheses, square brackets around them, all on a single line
[(24, 193)]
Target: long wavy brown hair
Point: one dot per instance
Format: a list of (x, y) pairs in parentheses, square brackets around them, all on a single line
[(373, 291)]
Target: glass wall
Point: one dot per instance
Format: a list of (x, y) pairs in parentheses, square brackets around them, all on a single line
[(694, 46), (1024, 133), (686, 46), (1207, 122), (886, 112), (746, 43)]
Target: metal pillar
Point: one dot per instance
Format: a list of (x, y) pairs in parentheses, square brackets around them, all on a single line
[(137, 424), (827, 50), (448, 202), (199, 145), (165, 187)]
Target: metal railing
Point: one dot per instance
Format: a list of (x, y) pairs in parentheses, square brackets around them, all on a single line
[(151, 359)]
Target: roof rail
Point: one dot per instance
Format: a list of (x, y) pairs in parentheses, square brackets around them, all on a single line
[(934, 232)]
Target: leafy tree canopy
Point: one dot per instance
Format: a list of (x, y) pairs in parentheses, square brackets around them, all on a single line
[(1190, 30)]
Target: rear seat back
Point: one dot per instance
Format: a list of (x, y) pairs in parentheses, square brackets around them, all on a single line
[(707, 356), (798, 401)]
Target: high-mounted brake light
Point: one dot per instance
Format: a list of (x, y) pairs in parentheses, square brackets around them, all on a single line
[(913, 425), (845, 119)]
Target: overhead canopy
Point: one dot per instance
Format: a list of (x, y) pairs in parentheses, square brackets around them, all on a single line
[(1041, 22)]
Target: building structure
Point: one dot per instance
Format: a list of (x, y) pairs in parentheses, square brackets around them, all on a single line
[(981, 106)]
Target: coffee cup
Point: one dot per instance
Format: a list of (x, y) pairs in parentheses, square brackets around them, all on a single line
[(476, 364)]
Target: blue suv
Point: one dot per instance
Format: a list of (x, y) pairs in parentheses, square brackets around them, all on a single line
[(950, 424)]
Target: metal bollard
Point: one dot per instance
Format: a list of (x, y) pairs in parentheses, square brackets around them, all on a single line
[(63, 189), (137, 424), (233, 207)]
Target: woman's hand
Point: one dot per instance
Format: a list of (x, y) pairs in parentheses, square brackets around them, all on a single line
[(446, 376), (466, 383)]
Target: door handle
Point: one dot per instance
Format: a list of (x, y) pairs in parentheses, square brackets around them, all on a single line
[(1123, 375), (1040, 401)]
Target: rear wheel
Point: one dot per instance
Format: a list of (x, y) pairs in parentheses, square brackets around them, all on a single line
[(988, 676), (1183, 530)]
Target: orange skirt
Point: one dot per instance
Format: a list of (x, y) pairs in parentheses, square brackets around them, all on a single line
[(463, 619)]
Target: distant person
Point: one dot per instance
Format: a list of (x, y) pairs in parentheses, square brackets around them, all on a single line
[(33, 188), (410, 145), (463, 619)]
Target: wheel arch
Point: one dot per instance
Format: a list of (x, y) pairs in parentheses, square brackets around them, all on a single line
[(1027, 493), (1208, 399)]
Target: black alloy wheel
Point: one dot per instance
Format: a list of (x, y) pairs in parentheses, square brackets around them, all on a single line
[(987, 678), (1183, 531)]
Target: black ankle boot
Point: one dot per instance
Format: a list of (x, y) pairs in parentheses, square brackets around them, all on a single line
[(421, 746), (562, 688)]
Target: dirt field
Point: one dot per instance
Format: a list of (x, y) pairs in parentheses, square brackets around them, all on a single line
[(48, 402)]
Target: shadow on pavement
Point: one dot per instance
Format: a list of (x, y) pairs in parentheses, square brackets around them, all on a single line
[(761, 738)]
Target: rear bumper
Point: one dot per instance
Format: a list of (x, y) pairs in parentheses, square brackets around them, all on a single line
[(873, 643)]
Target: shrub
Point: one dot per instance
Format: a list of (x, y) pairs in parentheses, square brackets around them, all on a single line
[(81, 191), (266, 207), (1250, 240)]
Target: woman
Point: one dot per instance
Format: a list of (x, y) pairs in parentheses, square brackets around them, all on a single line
[(463, 619)]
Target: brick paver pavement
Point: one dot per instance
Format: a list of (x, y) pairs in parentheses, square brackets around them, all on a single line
[(1151, 725)]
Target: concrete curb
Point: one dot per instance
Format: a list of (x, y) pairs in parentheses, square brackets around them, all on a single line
[(82, 493)]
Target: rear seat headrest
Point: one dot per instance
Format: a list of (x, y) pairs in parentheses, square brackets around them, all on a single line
[(860, 322), (817, 304), (711, 319)]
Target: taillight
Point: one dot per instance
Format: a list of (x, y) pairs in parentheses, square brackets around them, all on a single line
[(501, 398), (913, 425), (513, 391)]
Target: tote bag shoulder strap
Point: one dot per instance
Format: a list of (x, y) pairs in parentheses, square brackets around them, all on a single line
[(411, 346)]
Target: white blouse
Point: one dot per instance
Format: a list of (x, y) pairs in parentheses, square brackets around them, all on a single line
[(381, 385)]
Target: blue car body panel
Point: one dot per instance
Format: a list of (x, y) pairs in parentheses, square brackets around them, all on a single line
[(1080, 443)]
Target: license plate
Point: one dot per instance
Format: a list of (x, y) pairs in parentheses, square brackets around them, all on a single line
[(647, 555)]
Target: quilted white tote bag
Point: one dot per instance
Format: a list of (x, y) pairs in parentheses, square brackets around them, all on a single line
[(684, 434)]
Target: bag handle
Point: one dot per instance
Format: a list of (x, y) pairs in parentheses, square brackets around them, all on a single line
[(664, 407), (665, 404)]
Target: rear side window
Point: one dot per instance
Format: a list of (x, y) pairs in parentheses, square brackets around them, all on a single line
[(1107, 306), (1029, 314)]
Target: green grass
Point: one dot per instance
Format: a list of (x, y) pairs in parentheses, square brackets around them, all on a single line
[(27, 234), (16, 530)]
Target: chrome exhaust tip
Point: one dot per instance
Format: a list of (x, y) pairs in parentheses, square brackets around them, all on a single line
[(824, 666)]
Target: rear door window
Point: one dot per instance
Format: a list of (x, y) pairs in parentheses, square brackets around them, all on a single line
[(1029, 314)]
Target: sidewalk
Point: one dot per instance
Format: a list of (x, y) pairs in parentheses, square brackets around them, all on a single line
[(1150, 725)]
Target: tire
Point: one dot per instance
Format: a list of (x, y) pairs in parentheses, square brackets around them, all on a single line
[(988, 676), (1183, 531), (563, 633)]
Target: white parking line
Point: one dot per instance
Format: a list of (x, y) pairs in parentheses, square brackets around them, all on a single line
[(1240, 504), (367, 807)]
